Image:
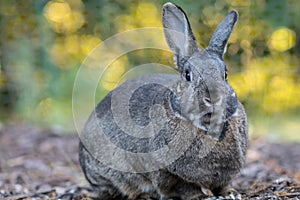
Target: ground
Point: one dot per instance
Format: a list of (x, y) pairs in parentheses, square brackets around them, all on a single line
[(39, 164)]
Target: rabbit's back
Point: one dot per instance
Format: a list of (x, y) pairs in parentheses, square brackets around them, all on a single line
[(132, 115)]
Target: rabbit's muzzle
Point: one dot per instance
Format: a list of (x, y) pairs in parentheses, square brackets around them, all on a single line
[(212, 116)]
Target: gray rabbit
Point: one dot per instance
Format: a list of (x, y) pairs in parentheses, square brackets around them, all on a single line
[(169, 136)]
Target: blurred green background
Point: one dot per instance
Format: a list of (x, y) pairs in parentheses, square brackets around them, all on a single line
[(44, 42)]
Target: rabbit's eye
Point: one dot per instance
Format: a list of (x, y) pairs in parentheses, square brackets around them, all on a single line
[(187, 75)]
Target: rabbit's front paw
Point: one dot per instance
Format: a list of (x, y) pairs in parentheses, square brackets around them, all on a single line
[(226, 191)]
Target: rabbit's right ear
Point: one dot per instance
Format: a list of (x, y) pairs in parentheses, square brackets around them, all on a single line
[(178, 32)]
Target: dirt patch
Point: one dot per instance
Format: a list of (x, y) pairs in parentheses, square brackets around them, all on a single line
[(35, 163)]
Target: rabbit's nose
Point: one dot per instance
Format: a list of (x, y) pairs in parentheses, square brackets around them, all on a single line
[(210, 102)]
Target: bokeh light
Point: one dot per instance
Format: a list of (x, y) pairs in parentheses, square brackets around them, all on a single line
[(282, 39), (113, 73), (62, 18)]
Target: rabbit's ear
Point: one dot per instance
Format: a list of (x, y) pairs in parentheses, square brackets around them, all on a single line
[(218, 42), (178, 32)]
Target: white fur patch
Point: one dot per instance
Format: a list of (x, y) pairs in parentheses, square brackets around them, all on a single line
[(146, 188), (236, 113)]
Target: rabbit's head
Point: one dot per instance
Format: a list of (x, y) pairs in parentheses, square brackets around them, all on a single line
[(203, 96)]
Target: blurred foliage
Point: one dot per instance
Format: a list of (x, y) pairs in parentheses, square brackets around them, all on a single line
[(43, 43)]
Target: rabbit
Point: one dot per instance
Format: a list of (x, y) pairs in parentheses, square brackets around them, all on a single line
[(196, 111)]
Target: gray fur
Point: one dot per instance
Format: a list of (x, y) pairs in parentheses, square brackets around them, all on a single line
[(203, 107), (220, 38)]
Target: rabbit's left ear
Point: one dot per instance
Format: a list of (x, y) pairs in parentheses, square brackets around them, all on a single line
[(218, 42), (178, 32)]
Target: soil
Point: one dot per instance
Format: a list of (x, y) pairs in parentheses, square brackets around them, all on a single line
[(39, 164)]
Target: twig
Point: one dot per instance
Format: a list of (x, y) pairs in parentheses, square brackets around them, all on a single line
[(297, 194), (23, 196)]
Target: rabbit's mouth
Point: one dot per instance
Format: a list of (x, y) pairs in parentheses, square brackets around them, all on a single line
[(210, 123), (203, 123), (206, 120)]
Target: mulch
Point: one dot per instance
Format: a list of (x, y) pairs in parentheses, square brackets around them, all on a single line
[(41, 164)]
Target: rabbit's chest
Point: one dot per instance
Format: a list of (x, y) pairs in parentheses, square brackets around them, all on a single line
[(207, 162)]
